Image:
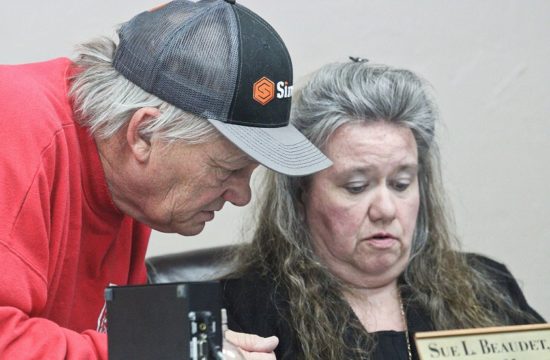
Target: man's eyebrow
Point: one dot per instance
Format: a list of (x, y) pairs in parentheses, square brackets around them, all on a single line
[(236, 159)]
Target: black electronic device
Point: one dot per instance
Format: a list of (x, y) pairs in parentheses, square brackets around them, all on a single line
[(165, 321)]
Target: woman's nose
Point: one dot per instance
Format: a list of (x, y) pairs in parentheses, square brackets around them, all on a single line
[(383, 207)]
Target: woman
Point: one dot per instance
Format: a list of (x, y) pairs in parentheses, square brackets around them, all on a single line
[(347, 263)]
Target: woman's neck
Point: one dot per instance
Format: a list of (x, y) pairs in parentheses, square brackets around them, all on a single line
[(379, 308)]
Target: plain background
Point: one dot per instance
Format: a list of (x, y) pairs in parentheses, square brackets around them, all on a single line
[(488, 64)]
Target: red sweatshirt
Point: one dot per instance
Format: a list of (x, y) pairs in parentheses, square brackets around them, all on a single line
[(62, 240)]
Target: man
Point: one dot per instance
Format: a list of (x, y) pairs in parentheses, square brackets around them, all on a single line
[(157, 132)]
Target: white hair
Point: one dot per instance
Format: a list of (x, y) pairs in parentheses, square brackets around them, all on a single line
[(104, 100)]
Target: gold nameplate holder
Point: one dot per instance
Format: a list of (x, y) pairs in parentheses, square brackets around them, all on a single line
[(520, 342)]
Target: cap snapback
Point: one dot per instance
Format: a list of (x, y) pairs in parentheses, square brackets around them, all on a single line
[(219, 60)]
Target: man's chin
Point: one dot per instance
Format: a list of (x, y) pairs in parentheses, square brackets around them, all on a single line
[(192, 230), (182, 229)]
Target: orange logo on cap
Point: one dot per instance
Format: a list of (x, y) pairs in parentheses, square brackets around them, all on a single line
[(263, 90), (158, 7)]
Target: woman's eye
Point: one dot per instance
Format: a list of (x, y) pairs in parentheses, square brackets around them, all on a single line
[(355, 188), (401, 185)]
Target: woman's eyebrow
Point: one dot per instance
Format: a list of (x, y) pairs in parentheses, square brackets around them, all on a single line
[(370, 169), (408, 167)]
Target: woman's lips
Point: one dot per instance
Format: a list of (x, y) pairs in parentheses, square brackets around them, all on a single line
[(382, 241)]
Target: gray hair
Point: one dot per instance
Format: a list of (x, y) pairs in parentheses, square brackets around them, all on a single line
[(338, 94), (104, 100)]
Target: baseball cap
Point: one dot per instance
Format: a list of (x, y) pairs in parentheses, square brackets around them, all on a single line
[(221, 61)]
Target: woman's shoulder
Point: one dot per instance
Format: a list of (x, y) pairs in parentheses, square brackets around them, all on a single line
[(494, 270), (499, 274), (257, 304), (248, 286), (483, 262), (253, 303)]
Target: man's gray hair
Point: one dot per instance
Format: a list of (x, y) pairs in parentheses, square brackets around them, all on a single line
[(104, 100)]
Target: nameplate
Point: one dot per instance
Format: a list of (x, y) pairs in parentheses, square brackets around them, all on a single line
[(520, 342)]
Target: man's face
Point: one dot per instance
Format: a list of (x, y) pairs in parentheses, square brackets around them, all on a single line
[(183, 185)]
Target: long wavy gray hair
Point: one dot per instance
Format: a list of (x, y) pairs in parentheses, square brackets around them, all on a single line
[(104, 100), (437, 275)]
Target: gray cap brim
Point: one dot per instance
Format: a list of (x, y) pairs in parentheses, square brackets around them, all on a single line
[(281, 149)]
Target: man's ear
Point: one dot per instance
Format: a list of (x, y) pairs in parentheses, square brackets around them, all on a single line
[(140, 146)]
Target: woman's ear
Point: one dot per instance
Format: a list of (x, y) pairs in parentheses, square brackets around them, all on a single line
[(140, 146), (302, 198)]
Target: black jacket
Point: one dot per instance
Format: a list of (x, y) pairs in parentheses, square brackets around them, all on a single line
[(254, 307)]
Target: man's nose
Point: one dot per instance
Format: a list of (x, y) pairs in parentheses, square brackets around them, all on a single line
[(238, 192)]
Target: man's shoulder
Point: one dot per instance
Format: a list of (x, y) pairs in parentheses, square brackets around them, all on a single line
[(27, 76), (36, 88), (34, 98)]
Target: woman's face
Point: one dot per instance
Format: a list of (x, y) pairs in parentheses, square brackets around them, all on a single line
[(362, 211)]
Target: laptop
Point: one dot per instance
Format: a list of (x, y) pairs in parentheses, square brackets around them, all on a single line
[(165, 321)]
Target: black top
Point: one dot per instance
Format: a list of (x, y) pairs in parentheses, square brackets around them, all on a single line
[(254, 307)]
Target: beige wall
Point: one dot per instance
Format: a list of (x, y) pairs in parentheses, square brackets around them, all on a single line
[(488, 63)]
